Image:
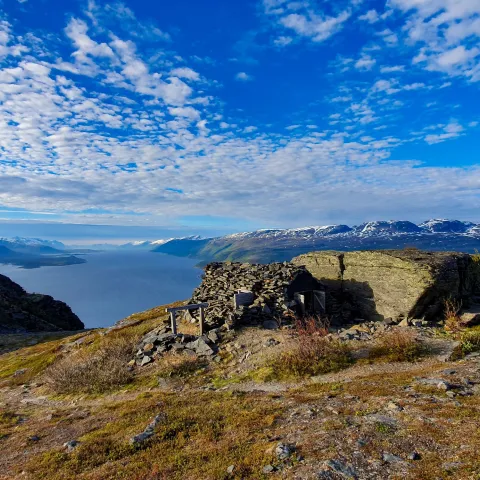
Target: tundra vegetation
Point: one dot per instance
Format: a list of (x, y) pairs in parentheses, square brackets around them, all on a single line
[(291, 403)]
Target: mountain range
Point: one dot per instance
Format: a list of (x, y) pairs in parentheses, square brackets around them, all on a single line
[(269, 245), (34, 253)]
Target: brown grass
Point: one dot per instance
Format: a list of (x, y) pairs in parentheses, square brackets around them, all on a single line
[(452, 309), (398, 346), (202, 435), (312, 326), (310, 352), (179, 365), (97, 371)]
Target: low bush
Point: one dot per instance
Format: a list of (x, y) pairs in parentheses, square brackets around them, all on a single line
[(93, 371), (311, 326), (453, 322), (310, 353), (469, 342), (398, 346)]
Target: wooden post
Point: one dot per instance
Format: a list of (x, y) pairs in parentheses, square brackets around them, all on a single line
[(202, 320), (173, 314)]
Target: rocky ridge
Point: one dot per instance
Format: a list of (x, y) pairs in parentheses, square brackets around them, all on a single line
[(24, 312)]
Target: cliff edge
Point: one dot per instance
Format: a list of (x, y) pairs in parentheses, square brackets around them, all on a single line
[(31, 312)]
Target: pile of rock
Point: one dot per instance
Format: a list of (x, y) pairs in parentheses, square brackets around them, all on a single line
[(269, 284), (367, 330), (162, 340)]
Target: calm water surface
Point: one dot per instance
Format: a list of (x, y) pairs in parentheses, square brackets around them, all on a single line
[(112, 285)]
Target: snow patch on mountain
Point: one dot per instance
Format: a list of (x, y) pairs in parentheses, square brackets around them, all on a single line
[(386, 228), (439, 225), (33, 242), (302, 232)]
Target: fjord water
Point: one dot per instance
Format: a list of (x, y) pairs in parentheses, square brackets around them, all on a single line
[(112, 285)]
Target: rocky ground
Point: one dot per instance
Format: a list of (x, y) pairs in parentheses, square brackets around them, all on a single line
[(225, 419)]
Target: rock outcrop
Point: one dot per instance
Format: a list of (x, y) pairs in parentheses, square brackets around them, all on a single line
[(24, 312), (273, 287), (393, 283), (161, 340)]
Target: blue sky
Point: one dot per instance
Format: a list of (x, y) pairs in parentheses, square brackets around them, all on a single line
[(223, 116)]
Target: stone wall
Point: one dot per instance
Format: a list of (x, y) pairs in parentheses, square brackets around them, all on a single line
[(271, 285), (392, 284)]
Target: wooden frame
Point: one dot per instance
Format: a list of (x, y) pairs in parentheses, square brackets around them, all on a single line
[(196, 306)]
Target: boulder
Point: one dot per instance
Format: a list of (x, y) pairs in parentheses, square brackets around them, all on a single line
[(471, 317), (393, 284)]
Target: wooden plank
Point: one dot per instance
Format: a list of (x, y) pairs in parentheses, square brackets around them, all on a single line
[(202, 321), (193, 306)]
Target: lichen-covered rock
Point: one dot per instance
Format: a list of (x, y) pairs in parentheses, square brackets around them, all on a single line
[(393, 283), (24, 312)]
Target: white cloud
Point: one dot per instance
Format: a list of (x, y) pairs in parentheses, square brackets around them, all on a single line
[(365, 62), (455, 56), (243, 77), (452, 130), (304, 19), (392, 69), (371, 17), (186, 112), (185, 72), (59, 154), (444, 31), (389, 37), (283, 41)]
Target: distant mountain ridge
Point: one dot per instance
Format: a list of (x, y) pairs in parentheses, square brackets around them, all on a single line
[(283, 244), (33, 242), (34, 253)]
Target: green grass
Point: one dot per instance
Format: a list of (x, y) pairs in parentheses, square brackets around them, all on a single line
[(469, 343)]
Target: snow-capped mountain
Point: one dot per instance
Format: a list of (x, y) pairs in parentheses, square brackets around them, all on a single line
[(155, 243), (31, 242), (303, 232), (383, 228), (277, 244), (447, 226), (35, 252)]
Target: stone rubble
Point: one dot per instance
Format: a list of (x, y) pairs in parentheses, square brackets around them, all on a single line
[(268, 283), (161, 340)]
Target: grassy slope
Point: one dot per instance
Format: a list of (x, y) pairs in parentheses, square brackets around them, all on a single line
[(205, 431)]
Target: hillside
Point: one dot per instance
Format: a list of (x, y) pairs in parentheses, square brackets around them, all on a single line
[(73, 409), (21, 311), (283, 244)]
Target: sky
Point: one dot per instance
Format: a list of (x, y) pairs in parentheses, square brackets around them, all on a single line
[(214, 117)]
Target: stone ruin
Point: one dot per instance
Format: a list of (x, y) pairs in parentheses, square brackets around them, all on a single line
[(255, 294), (406, 287), (237, 293)]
